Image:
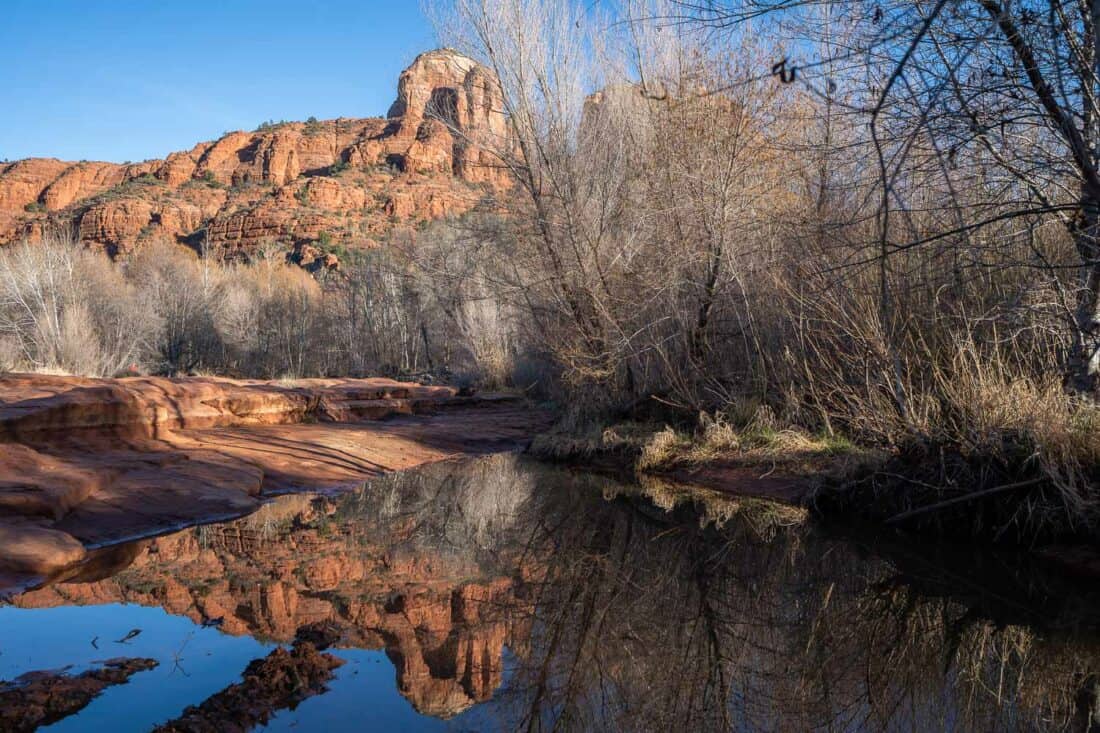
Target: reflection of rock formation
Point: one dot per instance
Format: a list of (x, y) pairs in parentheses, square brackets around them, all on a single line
[(448, 651), (41, 698), (618, 615), (443, 614)]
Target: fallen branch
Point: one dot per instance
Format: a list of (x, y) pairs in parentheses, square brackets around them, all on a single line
[(961, 499)]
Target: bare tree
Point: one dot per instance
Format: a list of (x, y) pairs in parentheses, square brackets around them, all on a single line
[(68, 309), (1000, 94)]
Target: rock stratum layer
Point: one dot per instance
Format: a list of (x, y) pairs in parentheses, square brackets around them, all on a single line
[(350, 181), (87, 463)]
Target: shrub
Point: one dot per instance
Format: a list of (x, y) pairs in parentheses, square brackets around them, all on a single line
[(70, 309), (662, 449), (270, 125), (211, 180), (312, 126)]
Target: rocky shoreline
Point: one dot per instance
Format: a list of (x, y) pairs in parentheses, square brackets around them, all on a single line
[(89, 463)]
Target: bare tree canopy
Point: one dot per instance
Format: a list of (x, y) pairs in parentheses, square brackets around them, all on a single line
[(1001, 95)]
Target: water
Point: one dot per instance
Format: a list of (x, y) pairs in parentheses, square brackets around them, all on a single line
[(500, 594)]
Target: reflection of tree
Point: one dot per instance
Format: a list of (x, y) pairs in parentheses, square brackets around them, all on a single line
[(647, 621), (634, 628), (459, 507)]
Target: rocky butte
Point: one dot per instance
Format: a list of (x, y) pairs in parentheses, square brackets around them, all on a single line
[(296, 183), (89, 463)]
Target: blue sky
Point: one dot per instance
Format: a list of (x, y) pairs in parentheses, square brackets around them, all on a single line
[(134, 79)]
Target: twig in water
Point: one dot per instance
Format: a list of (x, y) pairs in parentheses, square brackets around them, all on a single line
[(130, 635)]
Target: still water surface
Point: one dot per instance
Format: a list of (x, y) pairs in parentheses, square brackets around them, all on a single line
[(501, 594)]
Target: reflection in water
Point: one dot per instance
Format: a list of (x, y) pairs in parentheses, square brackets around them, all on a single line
[(516, 596)]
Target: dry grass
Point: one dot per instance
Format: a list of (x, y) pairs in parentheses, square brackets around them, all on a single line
[(990, 450), (570, 441), (758, 442), (1025, 423), (663, 450), (1029, 427)]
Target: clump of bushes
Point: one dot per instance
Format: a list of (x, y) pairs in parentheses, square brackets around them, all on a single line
[(166, 310), (267, 125), (66, 309)]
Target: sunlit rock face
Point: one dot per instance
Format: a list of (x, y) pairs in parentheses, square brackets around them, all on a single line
[(429, 159), (453, 110)]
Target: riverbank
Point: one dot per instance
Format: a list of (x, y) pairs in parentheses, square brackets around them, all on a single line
[(1002, 494), (88, 463), (784, 466)]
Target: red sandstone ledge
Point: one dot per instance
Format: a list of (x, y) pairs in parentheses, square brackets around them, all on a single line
[(91, 462)]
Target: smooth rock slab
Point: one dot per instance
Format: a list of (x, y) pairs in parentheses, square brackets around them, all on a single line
[(87, 463)]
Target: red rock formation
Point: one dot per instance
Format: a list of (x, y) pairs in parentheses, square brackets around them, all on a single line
[(179, 168), (24, 181), (96, 461), (443, 92), (115, 224), (433, 149), (80, 181), (352, 179), (282, 679)]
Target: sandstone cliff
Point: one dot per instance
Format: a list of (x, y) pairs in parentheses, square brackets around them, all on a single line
[(344, 182)]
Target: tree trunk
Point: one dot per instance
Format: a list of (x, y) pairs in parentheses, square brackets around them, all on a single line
[(1083, 366)]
